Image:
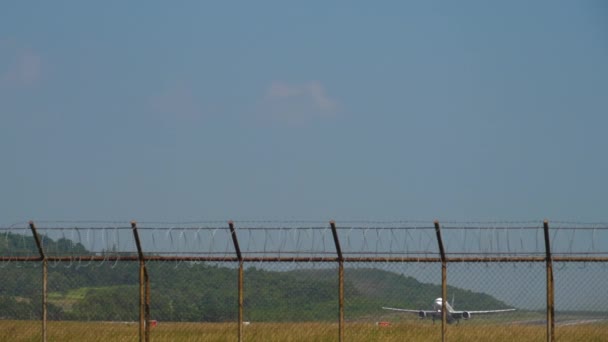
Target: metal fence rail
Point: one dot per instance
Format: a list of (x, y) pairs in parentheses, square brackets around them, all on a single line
[(304, 243)]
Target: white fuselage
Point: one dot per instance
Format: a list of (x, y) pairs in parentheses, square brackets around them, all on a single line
[(439, 302), (437, 306)]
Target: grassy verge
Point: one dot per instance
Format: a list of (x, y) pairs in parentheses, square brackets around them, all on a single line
[(407, 331)]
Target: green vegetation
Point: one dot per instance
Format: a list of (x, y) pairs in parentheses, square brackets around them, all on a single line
[(208, 292), (23, 245)]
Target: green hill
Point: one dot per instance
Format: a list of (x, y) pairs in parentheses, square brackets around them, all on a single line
[(24, 245), (206, 292)]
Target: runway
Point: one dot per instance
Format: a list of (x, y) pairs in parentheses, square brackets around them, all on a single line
[(562, 323)]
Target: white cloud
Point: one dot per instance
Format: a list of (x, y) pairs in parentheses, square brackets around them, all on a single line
[(298, 102), (23, 70), (28, 70), (279, 90), (317, 92)]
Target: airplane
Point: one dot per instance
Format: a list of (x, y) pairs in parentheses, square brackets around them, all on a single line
[(453, 315)]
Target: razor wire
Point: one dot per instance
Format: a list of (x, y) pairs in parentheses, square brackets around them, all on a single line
[(301, 239)]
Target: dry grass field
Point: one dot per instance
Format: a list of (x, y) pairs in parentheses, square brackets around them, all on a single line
[(407, 331)]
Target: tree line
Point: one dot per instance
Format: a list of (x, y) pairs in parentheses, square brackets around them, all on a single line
[(194, 292)]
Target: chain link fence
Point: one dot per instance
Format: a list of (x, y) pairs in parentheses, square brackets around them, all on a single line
[(303, 281)]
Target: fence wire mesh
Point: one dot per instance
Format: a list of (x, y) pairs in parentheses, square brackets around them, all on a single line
[(92, 301), (20, 295), (100, 281), (581, 301), (274, 313), (372, 287)]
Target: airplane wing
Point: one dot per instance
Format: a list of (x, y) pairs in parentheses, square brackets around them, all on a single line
[(427, 312), (468, 314), (484, 311), (420, 313)]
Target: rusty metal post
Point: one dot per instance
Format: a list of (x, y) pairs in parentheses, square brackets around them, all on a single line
[(45, 275), (550, 286), (239, 256), (444, 283), (142, 284), (147, 304), (341, 327)]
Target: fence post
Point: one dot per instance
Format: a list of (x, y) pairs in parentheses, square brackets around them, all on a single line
[(334, 232), (45, 270), (147, 304), (144, 302), (239, 256), (550, 286), (444, 283)]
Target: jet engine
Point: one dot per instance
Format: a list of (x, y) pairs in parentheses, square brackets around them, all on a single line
[(422, 314), (466, 315)]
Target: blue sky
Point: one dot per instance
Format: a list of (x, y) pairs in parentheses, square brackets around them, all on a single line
[(197, 110)]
